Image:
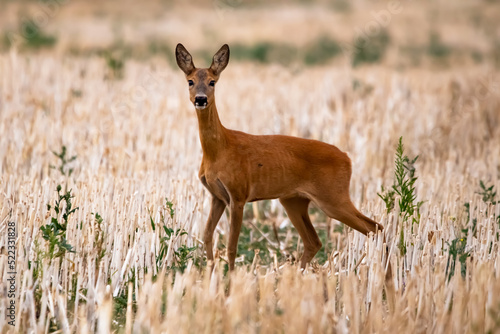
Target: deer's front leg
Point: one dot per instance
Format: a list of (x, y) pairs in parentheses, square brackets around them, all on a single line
[(234, 231), (216, 211)]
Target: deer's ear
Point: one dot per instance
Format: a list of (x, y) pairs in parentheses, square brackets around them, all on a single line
[(184, 59), (221, 58)]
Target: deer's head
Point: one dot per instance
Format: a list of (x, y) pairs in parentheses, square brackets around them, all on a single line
[(202, 81)]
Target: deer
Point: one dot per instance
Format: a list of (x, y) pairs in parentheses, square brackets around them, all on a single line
[(238, 168)]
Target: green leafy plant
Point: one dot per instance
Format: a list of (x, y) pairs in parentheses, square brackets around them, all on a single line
[(55, 231), (64, 162), (456, 249), (251, 241), (489, 197), (405, 189), (489, 194), (266, 240), (402, 243), (170, 208), (182, 256), (404, 186), (388, 196), (183, 253), (99, 239), (474, 220), (120, 303)]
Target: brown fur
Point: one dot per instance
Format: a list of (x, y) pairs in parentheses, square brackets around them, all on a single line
[(238, 168)]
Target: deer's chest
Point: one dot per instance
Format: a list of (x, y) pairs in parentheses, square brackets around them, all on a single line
[(214, 185)]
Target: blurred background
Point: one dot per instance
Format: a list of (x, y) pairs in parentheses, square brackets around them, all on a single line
[(401, 34)]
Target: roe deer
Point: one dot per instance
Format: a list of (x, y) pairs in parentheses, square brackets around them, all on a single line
[(238, 168)]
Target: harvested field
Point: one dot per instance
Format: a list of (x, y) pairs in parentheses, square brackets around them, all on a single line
[(130, 258)]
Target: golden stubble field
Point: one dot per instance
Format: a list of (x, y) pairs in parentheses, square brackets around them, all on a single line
[(134, 150), (136, 144)]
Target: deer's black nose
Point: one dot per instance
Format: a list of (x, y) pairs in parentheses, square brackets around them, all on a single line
[(200, 100)]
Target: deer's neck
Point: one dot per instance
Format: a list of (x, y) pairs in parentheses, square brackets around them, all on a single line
[(212, 133)]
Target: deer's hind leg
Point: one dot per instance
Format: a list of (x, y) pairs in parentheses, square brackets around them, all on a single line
[(344, 211), (296, 209)]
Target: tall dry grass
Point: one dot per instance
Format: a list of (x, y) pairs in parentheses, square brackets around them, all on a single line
[(136, 141)]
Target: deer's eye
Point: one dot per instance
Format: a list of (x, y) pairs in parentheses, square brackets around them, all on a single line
[(190, 82), (212, 83)]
